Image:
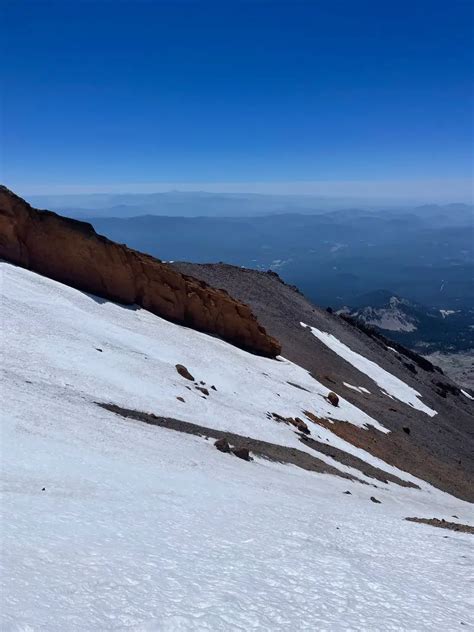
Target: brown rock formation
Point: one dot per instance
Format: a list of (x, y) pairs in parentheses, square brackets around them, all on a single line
[(72, 252)]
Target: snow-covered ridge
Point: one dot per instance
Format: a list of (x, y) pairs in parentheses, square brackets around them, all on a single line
[(388, 383)]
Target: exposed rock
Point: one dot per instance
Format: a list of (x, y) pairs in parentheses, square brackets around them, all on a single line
[(347, 492), (300, 425), (374, 500), (222, 445), (72, 252), (242, 453), (181, 399), (406, 430), (203, 390), (444, 524), (183, 371), (213, 388), (333, 398)]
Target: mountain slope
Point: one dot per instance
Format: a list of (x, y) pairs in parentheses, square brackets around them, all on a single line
[(438, 448), (111, 524)]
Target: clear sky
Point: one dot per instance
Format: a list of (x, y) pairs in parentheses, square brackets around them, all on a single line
[(110, 94)]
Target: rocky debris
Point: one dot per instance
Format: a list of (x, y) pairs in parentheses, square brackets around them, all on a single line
[(347, 492), (181, 399), (302, 388), (98, 349), (443, 388), (292, 421), (278, 417), (71, 252), (374, 500), (222, 445), (333, 398), (272, 451), (213, 388), (242, 453), (203, 390), (183, 371), (312, 417), (406, 430), (354, 462), (443, 524), (299, 424)]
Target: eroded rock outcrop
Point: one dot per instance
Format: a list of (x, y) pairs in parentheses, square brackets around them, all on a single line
[(72, 252)]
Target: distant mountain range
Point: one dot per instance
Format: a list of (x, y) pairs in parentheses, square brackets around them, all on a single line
[(414, 325)]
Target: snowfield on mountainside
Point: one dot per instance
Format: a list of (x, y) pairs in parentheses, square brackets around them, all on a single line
[(112, 524), (388, 383)]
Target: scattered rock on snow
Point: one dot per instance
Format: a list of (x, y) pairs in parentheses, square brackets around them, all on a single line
[(242, 453), (374, 500), (300, 425), (222, 445), (333, 398), (183, 371), (203, 390), (181, 399)]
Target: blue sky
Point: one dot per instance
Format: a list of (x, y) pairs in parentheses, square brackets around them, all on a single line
[(107, 94)]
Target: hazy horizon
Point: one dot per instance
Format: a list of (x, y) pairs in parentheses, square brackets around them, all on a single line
[(365, 100)]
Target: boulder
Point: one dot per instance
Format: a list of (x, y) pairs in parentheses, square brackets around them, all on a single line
[(222, 445), (71, 252), (333, 398), (183, 371), (242, 453), (203, 390)]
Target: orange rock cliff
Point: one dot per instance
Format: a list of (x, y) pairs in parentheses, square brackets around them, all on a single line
[(72, 252)]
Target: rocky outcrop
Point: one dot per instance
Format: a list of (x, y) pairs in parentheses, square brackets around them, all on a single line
[(72, 252)]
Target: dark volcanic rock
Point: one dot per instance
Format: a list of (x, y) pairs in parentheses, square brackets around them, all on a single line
[(203, 390), (242, 453), (333, 398), (183, 371), (72, 252), (222, 445)]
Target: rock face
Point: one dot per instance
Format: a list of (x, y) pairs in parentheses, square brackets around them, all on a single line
[(72, 252)]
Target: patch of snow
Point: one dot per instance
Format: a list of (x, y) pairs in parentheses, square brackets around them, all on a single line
[(112, 524), (388, 383), (467, 394), (359, 389), (447, 312)]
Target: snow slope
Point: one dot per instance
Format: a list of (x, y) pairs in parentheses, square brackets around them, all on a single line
[(388, 383), (142, 528)]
